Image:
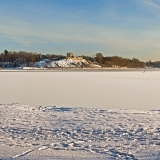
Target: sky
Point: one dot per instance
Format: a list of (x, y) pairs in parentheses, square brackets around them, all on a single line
[(126, 28)]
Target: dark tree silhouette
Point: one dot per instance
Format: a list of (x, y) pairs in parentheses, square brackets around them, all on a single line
[(5, 52), (99, 58)]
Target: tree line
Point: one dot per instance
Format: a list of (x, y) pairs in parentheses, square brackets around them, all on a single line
[(104, 61), (12, 56), (116, 61)]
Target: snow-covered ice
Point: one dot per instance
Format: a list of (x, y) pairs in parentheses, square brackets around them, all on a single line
[(130, 90), (82, 133), (79, 115)]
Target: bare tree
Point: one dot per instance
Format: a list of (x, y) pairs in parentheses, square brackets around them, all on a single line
[(99, 58)]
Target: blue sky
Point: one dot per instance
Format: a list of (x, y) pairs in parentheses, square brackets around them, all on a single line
[(127, 28)]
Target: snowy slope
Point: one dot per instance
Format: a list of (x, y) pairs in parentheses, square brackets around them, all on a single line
[(66, 63), (40, 64), (90, 133)]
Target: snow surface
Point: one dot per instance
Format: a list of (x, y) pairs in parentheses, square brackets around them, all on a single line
[(80, 115), (49, 132), (122, 90)]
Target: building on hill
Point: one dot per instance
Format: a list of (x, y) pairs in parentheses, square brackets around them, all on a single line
[(71, 56)]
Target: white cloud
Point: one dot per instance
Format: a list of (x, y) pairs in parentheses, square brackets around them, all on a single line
[(151, 3)]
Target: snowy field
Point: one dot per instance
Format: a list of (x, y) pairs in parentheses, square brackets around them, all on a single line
[(79, 115)]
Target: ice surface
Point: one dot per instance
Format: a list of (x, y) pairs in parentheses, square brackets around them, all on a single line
[(78, 133), (80, 115), (130, 90)]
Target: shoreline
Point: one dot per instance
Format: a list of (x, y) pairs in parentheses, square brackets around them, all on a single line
[(81, 70)]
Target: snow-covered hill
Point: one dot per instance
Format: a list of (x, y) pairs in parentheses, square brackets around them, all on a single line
[(66, 63)]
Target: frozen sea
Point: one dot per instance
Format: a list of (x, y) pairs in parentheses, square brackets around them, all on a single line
[(80, 115), (119, 90)]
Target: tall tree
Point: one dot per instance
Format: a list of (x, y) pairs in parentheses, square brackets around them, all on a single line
[(5, 52), (99, 58)]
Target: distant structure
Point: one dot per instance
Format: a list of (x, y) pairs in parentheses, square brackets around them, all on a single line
[(71, 56), (20, 62)]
